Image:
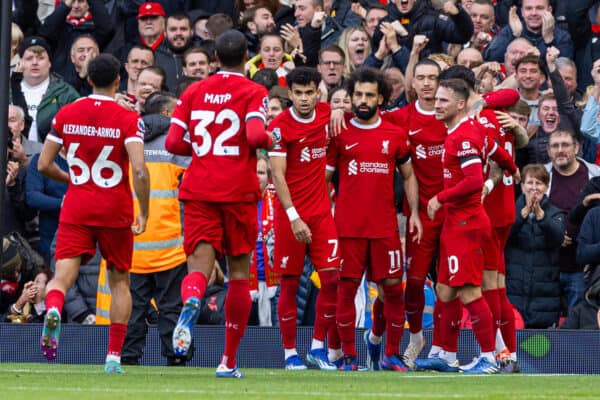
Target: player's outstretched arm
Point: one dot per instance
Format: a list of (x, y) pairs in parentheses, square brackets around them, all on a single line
[(46, 164), (301, 231), (258, 137), (175, 142), (411, 190), (141, 184)]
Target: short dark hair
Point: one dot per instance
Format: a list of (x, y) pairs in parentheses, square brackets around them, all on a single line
[(219, 23), (458, 86), (194, 50), (231, 47), (459, 72), (530, 59), (485, 3), (266, 77), (564, 130), (303, 76), (179, 16), (185, 82), (520, 107), (157, 102), (142, 47), (103, 70), (369, 75), (427, 61)]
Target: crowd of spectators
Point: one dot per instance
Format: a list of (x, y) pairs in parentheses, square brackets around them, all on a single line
[(548, 50)]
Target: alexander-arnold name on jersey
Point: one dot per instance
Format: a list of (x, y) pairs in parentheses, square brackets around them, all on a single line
[(89, 130)]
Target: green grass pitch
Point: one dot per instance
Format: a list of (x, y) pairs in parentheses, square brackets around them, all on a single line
[(80, 382)]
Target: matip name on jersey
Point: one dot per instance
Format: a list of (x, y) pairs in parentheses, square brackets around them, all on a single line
[(220, 98), (88, 130)]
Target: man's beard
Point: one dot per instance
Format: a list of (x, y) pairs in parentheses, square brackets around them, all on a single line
[(180, 49), (364, 114)]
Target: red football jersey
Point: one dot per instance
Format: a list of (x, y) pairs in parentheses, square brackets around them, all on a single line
[(215, 111), (94, 132), (365, 157), (464, 141), (304, 144), (500, 204), (426, 135)]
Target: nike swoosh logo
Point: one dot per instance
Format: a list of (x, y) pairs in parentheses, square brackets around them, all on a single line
[(285, 319), (394, 270), (331, 259), (302, 140), (349, 146), (410, 133), (329, 316)]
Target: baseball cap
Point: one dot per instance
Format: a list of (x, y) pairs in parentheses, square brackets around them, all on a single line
[(150, 9), (34, 41)]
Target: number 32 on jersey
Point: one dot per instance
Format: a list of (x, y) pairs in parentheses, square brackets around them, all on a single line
[(205, 118)]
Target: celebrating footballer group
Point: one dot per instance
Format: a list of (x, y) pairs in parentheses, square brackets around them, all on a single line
[(444, 145)]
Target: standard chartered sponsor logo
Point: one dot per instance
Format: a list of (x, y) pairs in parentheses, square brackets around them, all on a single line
[(353, 167), (421, 152), (305, 155)]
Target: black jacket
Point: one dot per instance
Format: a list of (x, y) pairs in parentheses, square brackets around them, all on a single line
[(532, 272), (424, 20), (61, 34)]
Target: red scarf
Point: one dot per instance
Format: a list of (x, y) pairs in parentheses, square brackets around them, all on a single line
[(156, 43), (267, 224), (78, 21)]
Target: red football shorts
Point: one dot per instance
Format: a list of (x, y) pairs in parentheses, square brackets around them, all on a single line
[(419, 256), (116, 244), (461, 253), (289, 253), (381, 258), (230, 228)]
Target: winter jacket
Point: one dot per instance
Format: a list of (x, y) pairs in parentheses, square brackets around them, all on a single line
[(58, 94), (496, 49), (61, 34), (424, 20), (45, 195), (532, 271), (171, 62)]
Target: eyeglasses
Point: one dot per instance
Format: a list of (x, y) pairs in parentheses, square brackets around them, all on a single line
[(561, 145), (331, 63)]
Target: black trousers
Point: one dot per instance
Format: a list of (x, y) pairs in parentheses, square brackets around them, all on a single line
[(165, 288)]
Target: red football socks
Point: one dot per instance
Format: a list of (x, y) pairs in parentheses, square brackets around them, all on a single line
[(450, 320), (237, 310), (193, 285), (483, 327), (378, 318), (507, 322), (346, 315), (393, 309), (286, 310), (116, 338), (438, 308), (415, 301), (492, 298), (55, 299), (325, 304)]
